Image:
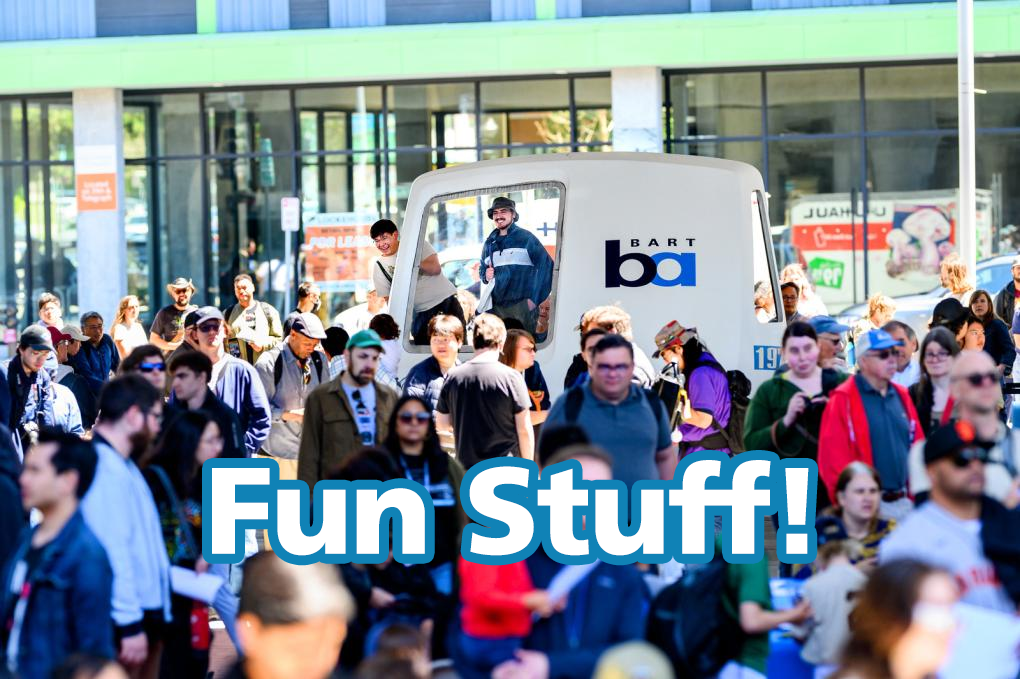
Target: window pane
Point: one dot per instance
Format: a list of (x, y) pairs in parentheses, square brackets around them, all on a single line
[(10, 130), (765, 307), (745, 151), (1001, 106), (593, 103), (135, 132), (999, 171), (13, 250), (64, 234), (716, 104), (911, 97), (432, 115), (50, 130), (250, 121), (339, 119), (813, 102), (176, 215), (526, 112), (176, 117), (137, 233)]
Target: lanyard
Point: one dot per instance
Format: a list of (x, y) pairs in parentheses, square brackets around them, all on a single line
[(427, 481)]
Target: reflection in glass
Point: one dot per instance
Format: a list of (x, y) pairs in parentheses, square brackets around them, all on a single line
[(813, 101), (911, 97), (743, 151), (526, 112), (13, 291), (716, 104), (433, 115), (594, 110), (254, 121), (136, 234), (175, 119)]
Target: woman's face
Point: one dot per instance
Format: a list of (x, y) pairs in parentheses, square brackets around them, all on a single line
[(975, 337), (801, 354), (131, 312), (859, 499), (525, 357), (925, 644), (979, 305), (412, 422), (937, 361), (210, 445)]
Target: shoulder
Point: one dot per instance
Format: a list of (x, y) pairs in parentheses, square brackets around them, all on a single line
[(267, 361)]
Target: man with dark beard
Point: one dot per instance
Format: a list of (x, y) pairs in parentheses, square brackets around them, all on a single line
[(347, 413), (121, 512)]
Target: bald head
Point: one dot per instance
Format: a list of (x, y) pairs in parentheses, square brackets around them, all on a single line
[(975, 384)]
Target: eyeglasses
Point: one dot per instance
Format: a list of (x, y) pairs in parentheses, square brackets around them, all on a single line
[(606, 368), (936, 356), (209, 326), (981, 379), (835, 339), (965, 456), (408, 418), (151, 367)]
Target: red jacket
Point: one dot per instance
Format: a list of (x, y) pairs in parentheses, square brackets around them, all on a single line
[(844, 436), (492, 598)]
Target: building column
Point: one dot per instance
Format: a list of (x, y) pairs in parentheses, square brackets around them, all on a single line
[(637, 109), (99, 181)]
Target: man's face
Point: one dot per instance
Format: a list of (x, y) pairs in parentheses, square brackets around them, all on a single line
[(830, 345), (74, 347), (244, 291), (387, 243), (961, 483), (41, 486), (444, 347), (210, 334), (153, 370), (51, 313), (903, 353), (974, 382), (790, 300), (32, 360), (589, 346), (503, 217), (879, 365), (1016, 274), (93, 329), (182, 297), (145, 427), (611, 372), (187, 384), (299, 650), (362, 363), (301, 345), (62, 350)]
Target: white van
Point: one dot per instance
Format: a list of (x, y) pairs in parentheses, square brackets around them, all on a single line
[(664, 236)]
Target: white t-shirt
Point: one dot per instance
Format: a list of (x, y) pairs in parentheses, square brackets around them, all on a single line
[(130, 337), (429, 291)]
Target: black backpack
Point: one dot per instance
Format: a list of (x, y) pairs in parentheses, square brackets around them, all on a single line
[(689, 622), (278, 367), (732, 435)]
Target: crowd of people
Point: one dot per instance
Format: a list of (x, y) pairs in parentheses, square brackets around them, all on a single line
[(103, 435)]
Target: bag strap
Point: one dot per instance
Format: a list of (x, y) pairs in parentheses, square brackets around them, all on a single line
[(383, 269), (168, 488), (575, 399), (277, 370), (317, 362), (655, 403)]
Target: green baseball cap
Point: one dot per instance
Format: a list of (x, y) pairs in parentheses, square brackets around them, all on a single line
[(365, 338)]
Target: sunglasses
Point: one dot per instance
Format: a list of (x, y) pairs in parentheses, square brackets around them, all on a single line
[(420, 418), (883, 354), (209, 326), (181, 291), (965, 456), (981, 379), (151, 367)]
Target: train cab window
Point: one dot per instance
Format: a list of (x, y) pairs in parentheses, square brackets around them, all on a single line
[(491, 250), (765, 307)]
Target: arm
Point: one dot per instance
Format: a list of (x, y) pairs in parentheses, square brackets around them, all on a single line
[(834, 452), (74, 417), (114, 357), (90, 608), (257, 404), (444, 422), (543, 271), (525, 434), (265, 368), (480, 587), (311, 436), (162, 344), (756, 620), (430, 265), (275, 329)]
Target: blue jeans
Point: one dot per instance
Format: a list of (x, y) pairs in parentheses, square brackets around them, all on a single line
[(484, 654)]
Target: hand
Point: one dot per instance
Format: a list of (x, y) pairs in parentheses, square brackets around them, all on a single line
[(795, 408), (174, 345), (801, 612), (179, 337), (537, 601), (381, 598), (1012, 498), (255, 347), (531, 305), (134, 650), (292, 416), (490, 274), (201, 566), (526, 665)]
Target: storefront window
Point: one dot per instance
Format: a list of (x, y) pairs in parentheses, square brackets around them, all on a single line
[(253, 121), (526, 112), (432, 116), (813, 102), (911, 97), (716, 104), (593, 102)]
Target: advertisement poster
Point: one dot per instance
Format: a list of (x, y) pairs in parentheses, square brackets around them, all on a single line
[(339, 251)]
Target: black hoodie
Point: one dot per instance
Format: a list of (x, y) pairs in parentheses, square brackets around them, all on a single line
[(13, 519)]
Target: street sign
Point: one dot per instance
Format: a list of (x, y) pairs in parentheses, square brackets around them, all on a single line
[(290, 214)]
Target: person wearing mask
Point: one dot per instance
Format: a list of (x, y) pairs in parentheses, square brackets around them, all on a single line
[(252, 326), (810, 304), (146, 360), (902, 625), (308, 302), (975, 393), (519, 354), (1005, 301), (29, 386), (120, 510), (289, 372), (292, 620), (414, 446), (345, 414), (425, 380), (790, 295), (189, 379), (127, 333), (173, 472), (333, 346), (868, 418), (998, 339), (953, 276), (517, 266), (50, 314), (629, 422), (167, 330), (908, 372), (831, 343), (434, 294), (785, 413), (234, 381), (389, 332), (945, 531), (485, 403), (57, 584), (67, 346), (98, 359), (930, 395)]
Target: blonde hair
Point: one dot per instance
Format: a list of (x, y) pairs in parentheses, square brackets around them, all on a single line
[(879, 302), (610, 318), (954, 272), (125, 302)]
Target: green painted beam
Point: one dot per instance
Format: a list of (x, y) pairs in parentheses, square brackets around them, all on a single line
[(205, 16), (545, 9), (831, 35)]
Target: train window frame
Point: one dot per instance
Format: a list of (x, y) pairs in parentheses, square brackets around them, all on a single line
[(761, 224)]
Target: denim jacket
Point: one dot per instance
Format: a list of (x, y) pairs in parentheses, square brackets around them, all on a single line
[(69, 606)]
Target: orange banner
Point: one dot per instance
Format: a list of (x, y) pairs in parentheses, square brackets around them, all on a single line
[(337, 256), (96, 191)]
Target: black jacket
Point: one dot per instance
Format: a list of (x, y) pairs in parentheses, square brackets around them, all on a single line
[(999, 344), (5, 399), (13, 519), (224, 417), (1000, 539), (1004, 303)]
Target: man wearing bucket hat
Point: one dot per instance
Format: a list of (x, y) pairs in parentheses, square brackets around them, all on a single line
[(871, 419), (517, 266), (167, 331)]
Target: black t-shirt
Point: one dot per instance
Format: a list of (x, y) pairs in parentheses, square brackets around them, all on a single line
[(169, 320), (483, 396), (444, 499)]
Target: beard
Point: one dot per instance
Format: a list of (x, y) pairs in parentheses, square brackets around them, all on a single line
[(140, 441), (364, 377)]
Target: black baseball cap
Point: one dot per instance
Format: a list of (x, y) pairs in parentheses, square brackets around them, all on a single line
[(36, 337), (191, 319), (950, 438)]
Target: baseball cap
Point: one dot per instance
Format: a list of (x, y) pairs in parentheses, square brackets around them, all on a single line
[(365, 338), (948, 312), (191, 319), (828, 324), (74, 332), (875, 340), (950, 438), (205, 313), (309, 325), (1016, 261), (672, 335), (36, 337)]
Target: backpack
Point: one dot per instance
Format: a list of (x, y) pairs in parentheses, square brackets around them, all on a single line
[(689, 622), (575, 399), (732, 435), (278, 367)]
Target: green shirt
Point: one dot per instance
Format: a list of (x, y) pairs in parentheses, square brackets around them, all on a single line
[(749, 583)]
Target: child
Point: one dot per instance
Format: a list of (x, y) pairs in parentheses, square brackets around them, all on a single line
[(497, 607), (831, 593)]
